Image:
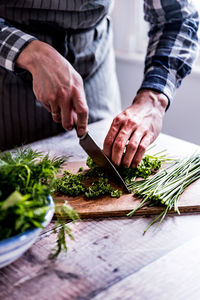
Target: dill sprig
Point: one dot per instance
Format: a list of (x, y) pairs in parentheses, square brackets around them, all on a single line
[(27, 178), (63, 213)]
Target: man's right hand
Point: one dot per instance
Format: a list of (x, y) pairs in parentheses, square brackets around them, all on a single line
[(56, 85)]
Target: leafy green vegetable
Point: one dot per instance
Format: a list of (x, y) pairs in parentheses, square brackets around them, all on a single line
[(165, 187), (27, 177)]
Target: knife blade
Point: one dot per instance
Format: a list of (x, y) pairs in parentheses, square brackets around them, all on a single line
[(100, 158)]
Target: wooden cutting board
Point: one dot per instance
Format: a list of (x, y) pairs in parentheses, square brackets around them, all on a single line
[(108, 207)]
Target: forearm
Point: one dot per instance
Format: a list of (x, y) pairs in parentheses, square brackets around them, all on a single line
[(172, 46), (35, 53)]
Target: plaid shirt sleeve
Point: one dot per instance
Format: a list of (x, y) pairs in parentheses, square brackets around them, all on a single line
[(173, 44), (12, 42)]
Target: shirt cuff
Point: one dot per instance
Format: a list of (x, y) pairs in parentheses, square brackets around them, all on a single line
[(12, 42), (162, 81)]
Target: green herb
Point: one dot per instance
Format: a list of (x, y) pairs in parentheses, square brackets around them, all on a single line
[(27, 177), (93, 183), (101, 187), (84, 183), (165, 187), (148, 165), (71, 184), (63, 213)]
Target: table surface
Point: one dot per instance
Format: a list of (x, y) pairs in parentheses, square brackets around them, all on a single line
[(110, 258)]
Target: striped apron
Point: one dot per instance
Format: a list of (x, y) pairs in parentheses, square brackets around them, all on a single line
[(81, 31)]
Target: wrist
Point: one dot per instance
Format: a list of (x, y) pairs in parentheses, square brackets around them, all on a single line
[(31, 55), (155, 98)]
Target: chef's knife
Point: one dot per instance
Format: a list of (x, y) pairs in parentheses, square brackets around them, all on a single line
[(100, 158)]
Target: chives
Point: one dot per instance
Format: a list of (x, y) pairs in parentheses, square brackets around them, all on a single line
[(166, 186)]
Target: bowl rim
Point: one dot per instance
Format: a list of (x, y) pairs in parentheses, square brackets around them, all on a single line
[(48, 217)]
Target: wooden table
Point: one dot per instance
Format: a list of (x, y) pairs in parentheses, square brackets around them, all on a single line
[(110, 258)]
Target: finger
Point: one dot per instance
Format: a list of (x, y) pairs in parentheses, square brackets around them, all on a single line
[(56, 117), (55, 112), (144, 143), (132, 148), (112, 134), (120, 143), (81, 109), (67, 115)]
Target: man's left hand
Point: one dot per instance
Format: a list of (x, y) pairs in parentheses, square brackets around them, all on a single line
[(135, 128)]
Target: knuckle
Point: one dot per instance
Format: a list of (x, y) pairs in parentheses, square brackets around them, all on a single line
[(84, 110), (83, 115), (77, 83), (108, 142), (142, 147), (132, 146), (118, 119), (62, 92), (118, 146), (131, 123), (51, 98)]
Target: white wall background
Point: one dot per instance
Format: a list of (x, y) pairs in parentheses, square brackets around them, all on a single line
[(182, 120)]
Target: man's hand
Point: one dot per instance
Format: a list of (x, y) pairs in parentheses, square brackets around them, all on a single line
[(56, 85), (135, 128)]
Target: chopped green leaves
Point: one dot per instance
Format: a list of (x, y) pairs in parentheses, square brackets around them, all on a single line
[(71, 184), (101, 187), (93, 183)]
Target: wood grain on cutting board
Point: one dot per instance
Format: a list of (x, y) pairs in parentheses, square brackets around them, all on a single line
[(109, 207)]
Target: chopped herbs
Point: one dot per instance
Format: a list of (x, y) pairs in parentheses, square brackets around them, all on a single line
[(93, 182), (148, 165), (71, 184), (101, 187), (77, 184)]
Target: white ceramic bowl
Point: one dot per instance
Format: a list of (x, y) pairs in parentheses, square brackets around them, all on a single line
[(12, 248)]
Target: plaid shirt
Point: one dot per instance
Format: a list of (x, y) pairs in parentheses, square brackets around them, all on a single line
[(171, 50)]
